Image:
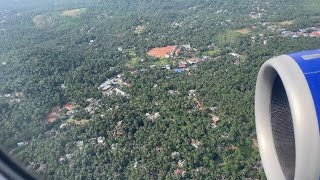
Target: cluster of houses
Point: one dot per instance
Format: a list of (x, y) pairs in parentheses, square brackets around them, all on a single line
[(118, 130), (184, 65), (255, 15), (214, 120), (307, 32), (139, 29), (21, 144), (93, 105), (97, 140), (153, 116), (237, 57), (171, 51), (179, 171), (195, 143), (110, 86), (13, 98)]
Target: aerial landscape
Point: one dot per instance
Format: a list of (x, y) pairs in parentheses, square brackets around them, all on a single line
[(141, 89)]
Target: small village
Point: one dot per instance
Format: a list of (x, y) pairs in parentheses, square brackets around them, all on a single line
[(313, 32)]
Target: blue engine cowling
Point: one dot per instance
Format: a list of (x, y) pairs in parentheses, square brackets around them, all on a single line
[(287, 112)]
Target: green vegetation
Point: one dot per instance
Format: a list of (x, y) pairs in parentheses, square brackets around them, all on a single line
[(150, 121), (311, 5), (230, 39), (74, 12), (161, 62), (76, 122), (134, 62), (212, 53)]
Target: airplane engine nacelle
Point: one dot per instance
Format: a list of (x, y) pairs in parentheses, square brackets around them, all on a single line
[(287, 112)]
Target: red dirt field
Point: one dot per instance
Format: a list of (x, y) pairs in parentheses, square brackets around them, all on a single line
[(161, 52)]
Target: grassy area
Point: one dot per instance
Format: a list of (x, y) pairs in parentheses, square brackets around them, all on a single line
[(134, 59), (243, 57), (161, 62), (212, 53), (132, 54), (134, 62), (229, 37)]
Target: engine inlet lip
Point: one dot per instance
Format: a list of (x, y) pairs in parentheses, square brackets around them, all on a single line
[(302, 111)]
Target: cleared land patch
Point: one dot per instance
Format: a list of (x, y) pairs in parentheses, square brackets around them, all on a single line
[(161, 52), (74, 12), (244, 31), (134, 62), (53, 115), (161, 62), (285, 23), (43, 20), (212, 53)]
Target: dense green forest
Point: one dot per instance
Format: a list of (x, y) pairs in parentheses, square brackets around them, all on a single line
[(158, 121)]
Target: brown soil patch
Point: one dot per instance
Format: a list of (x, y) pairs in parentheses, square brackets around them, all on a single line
[(53, 116), (161, 52)]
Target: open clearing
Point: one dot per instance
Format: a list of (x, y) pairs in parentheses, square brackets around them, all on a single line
[(43, 20), (212, 53), (161, 62), (161, 52), (53, 115), (74, 12), (244, 31), (285, 23), (53, 18), (134, 62)]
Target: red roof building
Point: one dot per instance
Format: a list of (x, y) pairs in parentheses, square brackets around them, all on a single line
[(179, 172), (182, 64), (68, 106), (177, 52), (193, 61)]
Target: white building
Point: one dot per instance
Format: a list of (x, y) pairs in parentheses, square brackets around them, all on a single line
[(101, 140)]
